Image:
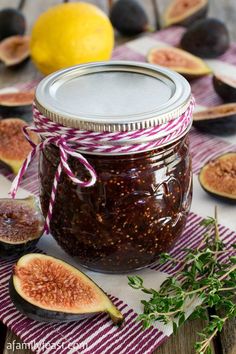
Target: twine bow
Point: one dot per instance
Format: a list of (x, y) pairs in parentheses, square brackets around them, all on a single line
[(70, 140), (65, 152)]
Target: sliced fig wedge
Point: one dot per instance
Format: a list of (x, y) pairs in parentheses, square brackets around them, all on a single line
[(14, 148), (225, 87), (17, 99), (218, 177), (14, 50), (178, 60), (219, 120), (48, 289), (21, 225), (185, 12)]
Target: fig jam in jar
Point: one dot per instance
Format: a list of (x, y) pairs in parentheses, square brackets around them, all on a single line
[(138, 206)]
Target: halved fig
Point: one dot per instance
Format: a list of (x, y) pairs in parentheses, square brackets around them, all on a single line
[(225, 86), (14, 50), (185, 12), (14, 148), (219, 120), (21, 225), (218, 177), (178, 60), (17, 99), (48, 289)]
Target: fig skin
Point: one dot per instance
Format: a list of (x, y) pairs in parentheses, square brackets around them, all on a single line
[(12, 22), (38, 314), (90, 300), (206, 38), (17, 217), (224, 88), (172, 54), (227, 197), (219, 120), (14, 50), (14, 148), (187, 18), (128, 17)]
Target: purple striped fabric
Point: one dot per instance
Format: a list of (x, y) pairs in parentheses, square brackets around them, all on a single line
[(97, 335)]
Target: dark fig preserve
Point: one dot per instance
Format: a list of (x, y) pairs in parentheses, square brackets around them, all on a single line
[(138, 206)]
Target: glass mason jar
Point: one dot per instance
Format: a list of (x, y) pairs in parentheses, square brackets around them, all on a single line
[(139, 204)]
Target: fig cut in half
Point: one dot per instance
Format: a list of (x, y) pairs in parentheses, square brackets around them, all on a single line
[(225, 87), (185, 12), (218, 177), (178, 60), (21, 225), (16, 99), (48, 289), (14, 147), (14, 50), (219, 120)]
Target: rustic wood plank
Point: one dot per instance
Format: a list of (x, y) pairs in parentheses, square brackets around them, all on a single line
[(184, 340), (27, 71), (11, 3), (12, 339), (228, 337), (226, 11), (3, 331)]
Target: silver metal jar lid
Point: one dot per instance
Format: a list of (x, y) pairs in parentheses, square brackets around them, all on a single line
[(113, 96)]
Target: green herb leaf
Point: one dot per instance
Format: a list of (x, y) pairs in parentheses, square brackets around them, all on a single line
[(200, 275)]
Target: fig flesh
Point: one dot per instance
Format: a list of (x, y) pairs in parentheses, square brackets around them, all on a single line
[(178, 60), (128, 17), (225, 87), (218, 177), (17, 99), (21, 225), (12, 22), (14, 148), (48, 289), (14, 50), (219, 120), (185, 12), (206, 38)]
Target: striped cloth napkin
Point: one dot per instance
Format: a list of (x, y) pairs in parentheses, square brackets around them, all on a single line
[(98, 335)]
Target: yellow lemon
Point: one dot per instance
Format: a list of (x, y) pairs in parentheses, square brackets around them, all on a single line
[(69, 34)]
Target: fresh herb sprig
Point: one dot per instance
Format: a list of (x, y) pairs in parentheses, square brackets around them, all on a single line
[(201, 278)]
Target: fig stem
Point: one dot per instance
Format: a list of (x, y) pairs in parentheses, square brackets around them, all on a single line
[(110, 3), (21, 4), (156, 14)]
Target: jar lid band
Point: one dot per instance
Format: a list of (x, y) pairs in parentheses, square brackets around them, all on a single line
[(116, 143), (72, 142)]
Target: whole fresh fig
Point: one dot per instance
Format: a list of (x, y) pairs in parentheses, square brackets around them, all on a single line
[(12, 22), (206, 38)]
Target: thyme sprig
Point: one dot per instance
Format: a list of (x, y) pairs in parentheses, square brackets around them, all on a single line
[(202, 279)]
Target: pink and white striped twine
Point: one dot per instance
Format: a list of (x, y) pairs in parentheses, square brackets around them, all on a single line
[(70, 141)]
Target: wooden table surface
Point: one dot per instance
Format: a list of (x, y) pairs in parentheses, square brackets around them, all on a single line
[(183, 342)]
